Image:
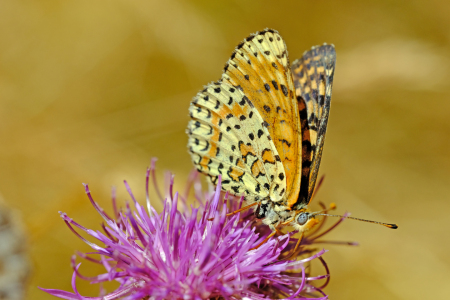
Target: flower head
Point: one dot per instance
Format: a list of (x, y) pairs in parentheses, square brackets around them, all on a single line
[(181, 253)]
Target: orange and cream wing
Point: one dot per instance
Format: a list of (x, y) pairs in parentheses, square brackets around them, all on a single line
[(313, 79), (260, 68), (227, 138)]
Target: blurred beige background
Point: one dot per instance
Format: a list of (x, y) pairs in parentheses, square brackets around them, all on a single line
[(91, 90)]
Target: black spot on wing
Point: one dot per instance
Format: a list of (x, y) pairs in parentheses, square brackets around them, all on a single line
[(235, 189), (284, 89), (307, 145), (250, 38), (249, 102), (275, 84), (285, 142), (260, 133)]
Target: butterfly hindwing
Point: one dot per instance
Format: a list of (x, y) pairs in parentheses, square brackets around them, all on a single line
[(227, 138), (313, 79)]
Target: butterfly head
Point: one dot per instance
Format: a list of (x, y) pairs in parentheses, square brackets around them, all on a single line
[(303, 220)]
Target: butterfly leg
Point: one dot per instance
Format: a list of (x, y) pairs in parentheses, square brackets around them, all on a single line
[(299, 241), (265, 240), (279, 232), (237, 211)]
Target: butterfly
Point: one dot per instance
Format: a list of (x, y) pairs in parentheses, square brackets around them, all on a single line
[(262, 127)]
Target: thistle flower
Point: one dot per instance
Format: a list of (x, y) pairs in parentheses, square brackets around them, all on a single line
[(180, 254)]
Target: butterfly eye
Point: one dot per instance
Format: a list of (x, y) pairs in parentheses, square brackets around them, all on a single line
[(302, 218)]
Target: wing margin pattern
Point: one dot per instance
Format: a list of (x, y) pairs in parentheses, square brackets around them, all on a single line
[(313, 77)]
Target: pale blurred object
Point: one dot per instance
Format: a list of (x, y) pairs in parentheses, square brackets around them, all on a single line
[(14, 262)]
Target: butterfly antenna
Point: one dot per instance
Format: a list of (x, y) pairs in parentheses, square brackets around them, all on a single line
[(393, 226)]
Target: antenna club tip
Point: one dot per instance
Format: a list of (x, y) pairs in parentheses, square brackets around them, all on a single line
[(333, 205), (393, 226)]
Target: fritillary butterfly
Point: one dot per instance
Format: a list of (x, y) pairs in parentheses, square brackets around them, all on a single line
[(262, 127)]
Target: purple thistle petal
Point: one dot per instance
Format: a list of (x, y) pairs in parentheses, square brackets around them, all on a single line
[(114, 202), (74, 282), (129, 191), (147, 195), (99, 210), (152, 171), (195, 253), (301, 286)]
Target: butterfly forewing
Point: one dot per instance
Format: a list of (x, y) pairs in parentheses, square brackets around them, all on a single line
[(260, 68), (313, 79)]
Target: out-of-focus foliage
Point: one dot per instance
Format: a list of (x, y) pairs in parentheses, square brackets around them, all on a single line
[(90, 90)]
